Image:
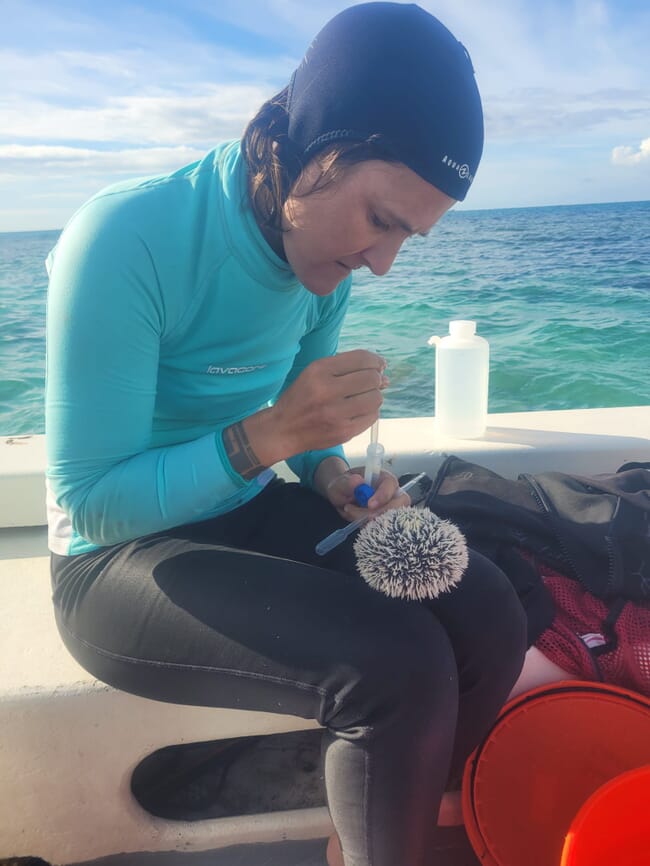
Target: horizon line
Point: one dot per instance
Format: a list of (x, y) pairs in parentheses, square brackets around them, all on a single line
[(450, 213)]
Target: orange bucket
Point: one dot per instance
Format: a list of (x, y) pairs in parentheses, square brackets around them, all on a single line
[(547, 753), (613, 826)]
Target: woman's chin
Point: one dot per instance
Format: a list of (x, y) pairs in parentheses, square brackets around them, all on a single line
[(325, 282)]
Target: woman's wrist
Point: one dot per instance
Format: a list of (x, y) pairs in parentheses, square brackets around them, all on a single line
[(327, 471), (255, 443)]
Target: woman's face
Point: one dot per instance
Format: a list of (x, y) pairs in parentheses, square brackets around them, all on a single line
[(359, 220)]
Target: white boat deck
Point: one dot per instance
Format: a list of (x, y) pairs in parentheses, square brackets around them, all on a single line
[(70, 743)]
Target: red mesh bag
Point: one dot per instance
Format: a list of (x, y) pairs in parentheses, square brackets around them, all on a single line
[(573, 639)]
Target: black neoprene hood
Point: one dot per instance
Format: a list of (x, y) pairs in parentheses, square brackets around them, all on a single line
[(393, 71)]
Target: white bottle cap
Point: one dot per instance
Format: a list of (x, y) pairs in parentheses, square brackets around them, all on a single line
[(462, 328)]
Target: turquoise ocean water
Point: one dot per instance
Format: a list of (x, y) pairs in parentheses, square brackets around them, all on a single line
[(561, 293)]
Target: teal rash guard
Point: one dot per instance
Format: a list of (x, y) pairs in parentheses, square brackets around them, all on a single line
[(169, 318)]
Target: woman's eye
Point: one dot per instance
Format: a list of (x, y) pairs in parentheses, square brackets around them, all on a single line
[(378, 222)]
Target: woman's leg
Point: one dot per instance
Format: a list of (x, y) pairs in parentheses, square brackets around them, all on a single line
[(487, 628), (486, 625), (483, 616), (191, 622), (538, 670)]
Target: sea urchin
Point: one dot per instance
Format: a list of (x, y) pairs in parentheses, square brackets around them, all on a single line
[(411, 553)]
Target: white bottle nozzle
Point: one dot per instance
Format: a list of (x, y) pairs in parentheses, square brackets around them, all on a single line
[(462, 328)]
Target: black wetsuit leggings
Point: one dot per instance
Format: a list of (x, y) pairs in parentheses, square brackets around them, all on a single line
[(404, 689)]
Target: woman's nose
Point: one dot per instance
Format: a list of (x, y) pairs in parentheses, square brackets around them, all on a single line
[(380, 256)]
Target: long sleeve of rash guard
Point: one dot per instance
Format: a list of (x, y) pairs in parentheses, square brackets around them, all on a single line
[(106, 320)]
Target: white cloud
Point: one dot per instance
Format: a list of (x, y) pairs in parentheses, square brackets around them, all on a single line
[(207, 115), (82, 74), (551, 114), (287, 21), (624, 155), (44, 158)]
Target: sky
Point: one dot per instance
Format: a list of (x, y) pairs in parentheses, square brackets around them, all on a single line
[(95, 92)]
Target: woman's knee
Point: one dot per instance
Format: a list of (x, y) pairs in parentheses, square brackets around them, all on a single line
[(403, 667), (495, 603), (484, 616)]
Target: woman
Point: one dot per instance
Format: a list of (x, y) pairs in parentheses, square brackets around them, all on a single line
[(192, 330)]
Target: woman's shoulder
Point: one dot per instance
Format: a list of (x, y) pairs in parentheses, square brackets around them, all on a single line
[(161, 200), (175, 217), (165, 229)]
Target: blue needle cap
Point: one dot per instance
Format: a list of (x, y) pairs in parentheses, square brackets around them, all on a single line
[(363, 493)]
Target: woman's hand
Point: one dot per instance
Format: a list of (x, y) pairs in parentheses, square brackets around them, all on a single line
[(332, 400), (340, 492)]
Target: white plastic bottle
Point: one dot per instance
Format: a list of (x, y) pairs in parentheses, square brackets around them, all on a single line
[(462, 374)]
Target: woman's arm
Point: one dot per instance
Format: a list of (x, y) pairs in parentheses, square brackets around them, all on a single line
[(106, 319)]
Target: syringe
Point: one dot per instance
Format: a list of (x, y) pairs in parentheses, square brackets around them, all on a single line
[(374, 457), (335, 538), (372, 473), (374, 463)]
